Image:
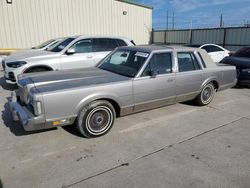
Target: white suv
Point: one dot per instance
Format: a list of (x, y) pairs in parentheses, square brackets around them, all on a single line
[(71, 53)]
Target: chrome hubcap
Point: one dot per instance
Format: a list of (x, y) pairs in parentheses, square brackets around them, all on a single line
[(99, 120), (207, 94)]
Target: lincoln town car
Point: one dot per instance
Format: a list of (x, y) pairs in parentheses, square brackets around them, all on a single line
[(130, 79)]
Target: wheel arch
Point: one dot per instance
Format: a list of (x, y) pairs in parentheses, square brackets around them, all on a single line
[(213, 80), (38, 66), (111, 99)]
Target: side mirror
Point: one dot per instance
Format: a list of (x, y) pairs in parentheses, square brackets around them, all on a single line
[(70, 51), (153, 73)]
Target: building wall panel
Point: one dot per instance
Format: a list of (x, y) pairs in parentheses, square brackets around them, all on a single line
[(26, 23)]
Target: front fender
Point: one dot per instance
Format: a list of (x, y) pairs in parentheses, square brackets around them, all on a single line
[(94, 97)]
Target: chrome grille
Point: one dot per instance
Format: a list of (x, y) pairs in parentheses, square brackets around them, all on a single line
[(24, 86)]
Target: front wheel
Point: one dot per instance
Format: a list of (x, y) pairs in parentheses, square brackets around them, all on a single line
[(206, 95), (96, 119)]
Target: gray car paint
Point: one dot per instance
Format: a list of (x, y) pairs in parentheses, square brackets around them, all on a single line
[(64, 93)]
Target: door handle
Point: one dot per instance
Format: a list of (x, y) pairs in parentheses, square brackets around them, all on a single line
[(89, 56)]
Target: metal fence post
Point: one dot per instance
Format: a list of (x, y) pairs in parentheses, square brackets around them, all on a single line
[(224, 37), (152, 37), (165, 37)]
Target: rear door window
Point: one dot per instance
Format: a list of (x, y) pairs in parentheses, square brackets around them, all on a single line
[(121, 42), (187, 62)]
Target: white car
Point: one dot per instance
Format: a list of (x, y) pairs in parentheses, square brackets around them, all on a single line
[(71, 53), (216, 52), (45, 45)]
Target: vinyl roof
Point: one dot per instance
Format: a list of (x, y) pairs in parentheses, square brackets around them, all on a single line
[(150, 48)]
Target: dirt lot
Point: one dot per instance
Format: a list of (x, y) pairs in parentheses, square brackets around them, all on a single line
[(175, 146)]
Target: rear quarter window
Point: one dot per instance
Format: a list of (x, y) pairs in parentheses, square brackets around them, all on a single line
[(201, 60), (121, 42), (104, 44)]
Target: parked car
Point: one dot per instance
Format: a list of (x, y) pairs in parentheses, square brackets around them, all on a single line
[(1, 59), (128, 80), (45, 45), (240, 59), (216, 52), (71, 53)]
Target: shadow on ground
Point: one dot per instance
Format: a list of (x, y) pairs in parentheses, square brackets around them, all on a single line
[(72, 130), (1, 185), (241, 87), (6, 86), (15, 127)]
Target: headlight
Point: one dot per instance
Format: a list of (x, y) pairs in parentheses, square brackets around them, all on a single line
[(245, 70), (16, 64), (37, 107), (36, 104)]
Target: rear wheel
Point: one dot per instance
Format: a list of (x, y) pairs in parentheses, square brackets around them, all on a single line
[(206, 95), (96, 119)]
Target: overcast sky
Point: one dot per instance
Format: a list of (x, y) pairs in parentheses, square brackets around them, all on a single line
[(202, 13)]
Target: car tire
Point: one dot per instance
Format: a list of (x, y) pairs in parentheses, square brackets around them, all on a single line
[(96, 119), (37, 69), (206, 95)]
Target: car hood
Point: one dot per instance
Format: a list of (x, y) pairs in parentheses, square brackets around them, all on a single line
[(68, 79), (28, 54), (239, 62), (23, 51)]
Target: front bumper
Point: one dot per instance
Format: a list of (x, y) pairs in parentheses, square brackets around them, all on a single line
[(10, 77), (20, 113)]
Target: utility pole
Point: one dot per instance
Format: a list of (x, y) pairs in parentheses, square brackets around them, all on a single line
[(190, 32), (173, 21), (167, 21), (221, 21)]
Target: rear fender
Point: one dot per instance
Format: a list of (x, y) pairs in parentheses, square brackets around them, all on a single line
[(210, 79)]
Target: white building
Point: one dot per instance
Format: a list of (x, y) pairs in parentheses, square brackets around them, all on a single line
[(26, 23)]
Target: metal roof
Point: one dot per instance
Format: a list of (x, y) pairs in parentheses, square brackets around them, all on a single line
[(136, 4)]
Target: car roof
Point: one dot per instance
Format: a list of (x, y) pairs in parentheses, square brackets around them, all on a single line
[(99, 36), (157, 47)]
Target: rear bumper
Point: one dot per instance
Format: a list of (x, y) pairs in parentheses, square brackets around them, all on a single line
[(28, 120), (226, 86), (243, 82)]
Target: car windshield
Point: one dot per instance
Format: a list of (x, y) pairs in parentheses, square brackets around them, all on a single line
[(124, 62), (243, 52), (43, 44), (60, 45)]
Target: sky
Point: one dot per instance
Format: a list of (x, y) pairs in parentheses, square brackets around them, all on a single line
[(198, 13)]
